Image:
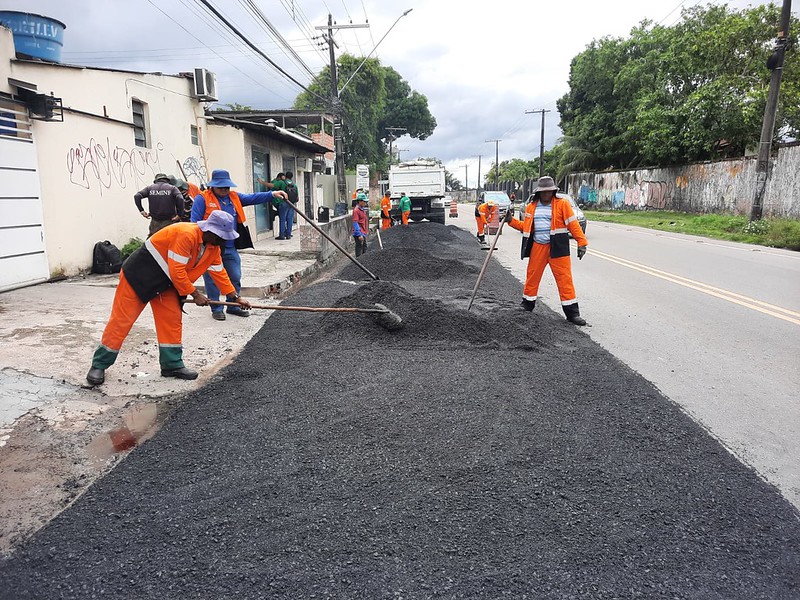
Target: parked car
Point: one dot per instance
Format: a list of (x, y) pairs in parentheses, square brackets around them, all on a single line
[(575, 208)]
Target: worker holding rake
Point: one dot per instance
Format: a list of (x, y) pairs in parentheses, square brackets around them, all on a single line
[(159, 273)]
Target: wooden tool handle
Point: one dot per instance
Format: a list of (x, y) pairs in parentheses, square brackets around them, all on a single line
[(300, 308)]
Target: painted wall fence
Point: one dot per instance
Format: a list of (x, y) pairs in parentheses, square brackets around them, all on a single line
[(713, 187)]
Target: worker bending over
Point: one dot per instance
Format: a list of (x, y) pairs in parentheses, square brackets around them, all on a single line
[(484, 213), (158, 274), (545, 241)]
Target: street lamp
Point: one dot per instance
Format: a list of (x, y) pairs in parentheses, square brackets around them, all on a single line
[(373, 50)]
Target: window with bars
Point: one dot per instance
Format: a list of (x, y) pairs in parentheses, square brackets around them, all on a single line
[(193, 134), (139, 124)]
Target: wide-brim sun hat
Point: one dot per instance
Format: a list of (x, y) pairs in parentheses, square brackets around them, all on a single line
[(161, 177), (220, 223), (220, 178), (545, 184)]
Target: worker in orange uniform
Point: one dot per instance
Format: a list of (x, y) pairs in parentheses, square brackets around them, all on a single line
[(483, 216), (159, 273), (386, 210), (545, 241)]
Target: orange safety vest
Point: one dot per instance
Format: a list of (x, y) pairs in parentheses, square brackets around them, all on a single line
[(386, 205), (177, 250), (562, 224), (487, 211), (193, 190), (212, 203)]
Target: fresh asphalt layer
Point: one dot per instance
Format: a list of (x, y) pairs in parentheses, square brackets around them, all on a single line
[(487, 454)]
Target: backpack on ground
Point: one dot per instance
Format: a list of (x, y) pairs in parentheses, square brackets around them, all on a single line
[(106, 258)]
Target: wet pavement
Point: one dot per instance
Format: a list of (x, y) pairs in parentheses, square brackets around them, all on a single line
[(490, 453)]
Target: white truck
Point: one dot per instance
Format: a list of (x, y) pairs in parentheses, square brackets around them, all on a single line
[(423, 183)]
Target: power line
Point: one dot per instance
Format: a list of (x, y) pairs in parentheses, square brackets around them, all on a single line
[(271, 30), (255, 49)]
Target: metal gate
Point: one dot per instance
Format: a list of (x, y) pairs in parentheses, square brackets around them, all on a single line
[(23, 260)]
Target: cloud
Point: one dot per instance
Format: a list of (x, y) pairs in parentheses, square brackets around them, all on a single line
[(480, 66)]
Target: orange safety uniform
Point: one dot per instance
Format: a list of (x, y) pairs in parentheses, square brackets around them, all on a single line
[(483, 216), (157, 274), (555, 254), (194, 191), (386, 209)]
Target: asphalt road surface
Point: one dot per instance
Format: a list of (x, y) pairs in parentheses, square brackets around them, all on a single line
[(714, 325), (486, 454)]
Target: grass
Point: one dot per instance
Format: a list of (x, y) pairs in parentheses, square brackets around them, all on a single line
[(776, 233)]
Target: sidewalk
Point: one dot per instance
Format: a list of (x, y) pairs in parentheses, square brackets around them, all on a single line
[(49, 332)]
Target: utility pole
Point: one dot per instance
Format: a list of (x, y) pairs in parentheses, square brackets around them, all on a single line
[(466, 181), (392, 138), (341, 182), (775, 63), (541, 145), (496, 161), (478, 187)]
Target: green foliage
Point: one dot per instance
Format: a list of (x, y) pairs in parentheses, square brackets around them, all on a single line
[(236, 107), (670, 95), (132, 246), (778, 233), (377, 98)]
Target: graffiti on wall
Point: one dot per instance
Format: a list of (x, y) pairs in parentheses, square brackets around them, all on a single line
[(99, 165), (656, 195), (193, 167)]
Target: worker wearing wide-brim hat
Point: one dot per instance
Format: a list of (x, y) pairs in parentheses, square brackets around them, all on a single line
[(545, 241), (483, 216), (219, 196), (158, 273)]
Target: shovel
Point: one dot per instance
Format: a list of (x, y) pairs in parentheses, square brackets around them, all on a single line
[(332, 241), (486, 262), (382, 315)]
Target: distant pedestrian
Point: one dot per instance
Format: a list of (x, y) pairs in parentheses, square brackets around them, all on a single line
[(386, 211), (405, 208), (287, 218), (360, 224), (279, 185), (158, 274), (484, 213), (545, 241), (164, 203), (218, 196)]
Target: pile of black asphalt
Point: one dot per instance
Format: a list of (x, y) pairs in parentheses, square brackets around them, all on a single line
[(483, 454)]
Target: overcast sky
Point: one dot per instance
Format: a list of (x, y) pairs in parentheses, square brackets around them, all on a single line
[(480, 68)]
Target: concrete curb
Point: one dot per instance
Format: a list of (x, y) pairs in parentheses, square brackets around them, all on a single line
[(280, 288)]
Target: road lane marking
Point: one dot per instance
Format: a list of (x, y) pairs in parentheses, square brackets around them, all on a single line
[(751, 303)]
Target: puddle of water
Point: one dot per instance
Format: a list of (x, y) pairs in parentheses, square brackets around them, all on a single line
[(139, 424)]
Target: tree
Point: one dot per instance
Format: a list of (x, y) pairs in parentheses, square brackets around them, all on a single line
[(377, 98), (667, 95)]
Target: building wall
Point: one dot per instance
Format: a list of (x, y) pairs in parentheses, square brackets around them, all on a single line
[(90, 167), (711, 187)]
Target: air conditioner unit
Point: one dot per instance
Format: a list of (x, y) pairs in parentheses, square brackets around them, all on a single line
[(205, 85), (304, 164), (318, 165)]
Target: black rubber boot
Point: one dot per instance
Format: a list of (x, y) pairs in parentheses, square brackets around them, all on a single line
[(96, 376), (574, 314), (482, 239), (182, 373), (528, 305)]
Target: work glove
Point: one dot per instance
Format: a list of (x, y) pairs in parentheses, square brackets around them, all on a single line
[(509, 216), (581, 251)]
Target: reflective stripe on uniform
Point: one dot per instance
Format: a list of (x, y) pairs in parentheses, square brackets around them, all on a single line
[(157, 255), (568, 302), (217, 268), (184, 260), (559, 230), (531, 298), (571, 219)]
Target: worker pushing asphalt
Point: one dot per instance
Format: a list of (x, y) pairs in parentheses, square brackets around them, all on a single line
[(335, 459)]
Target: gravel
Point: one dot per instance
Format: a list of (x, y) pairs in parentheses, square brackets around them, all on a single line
[(487, 454)]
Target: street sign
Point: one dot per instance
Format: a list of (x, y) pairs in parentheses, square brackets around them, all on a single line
[(362, 177)]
